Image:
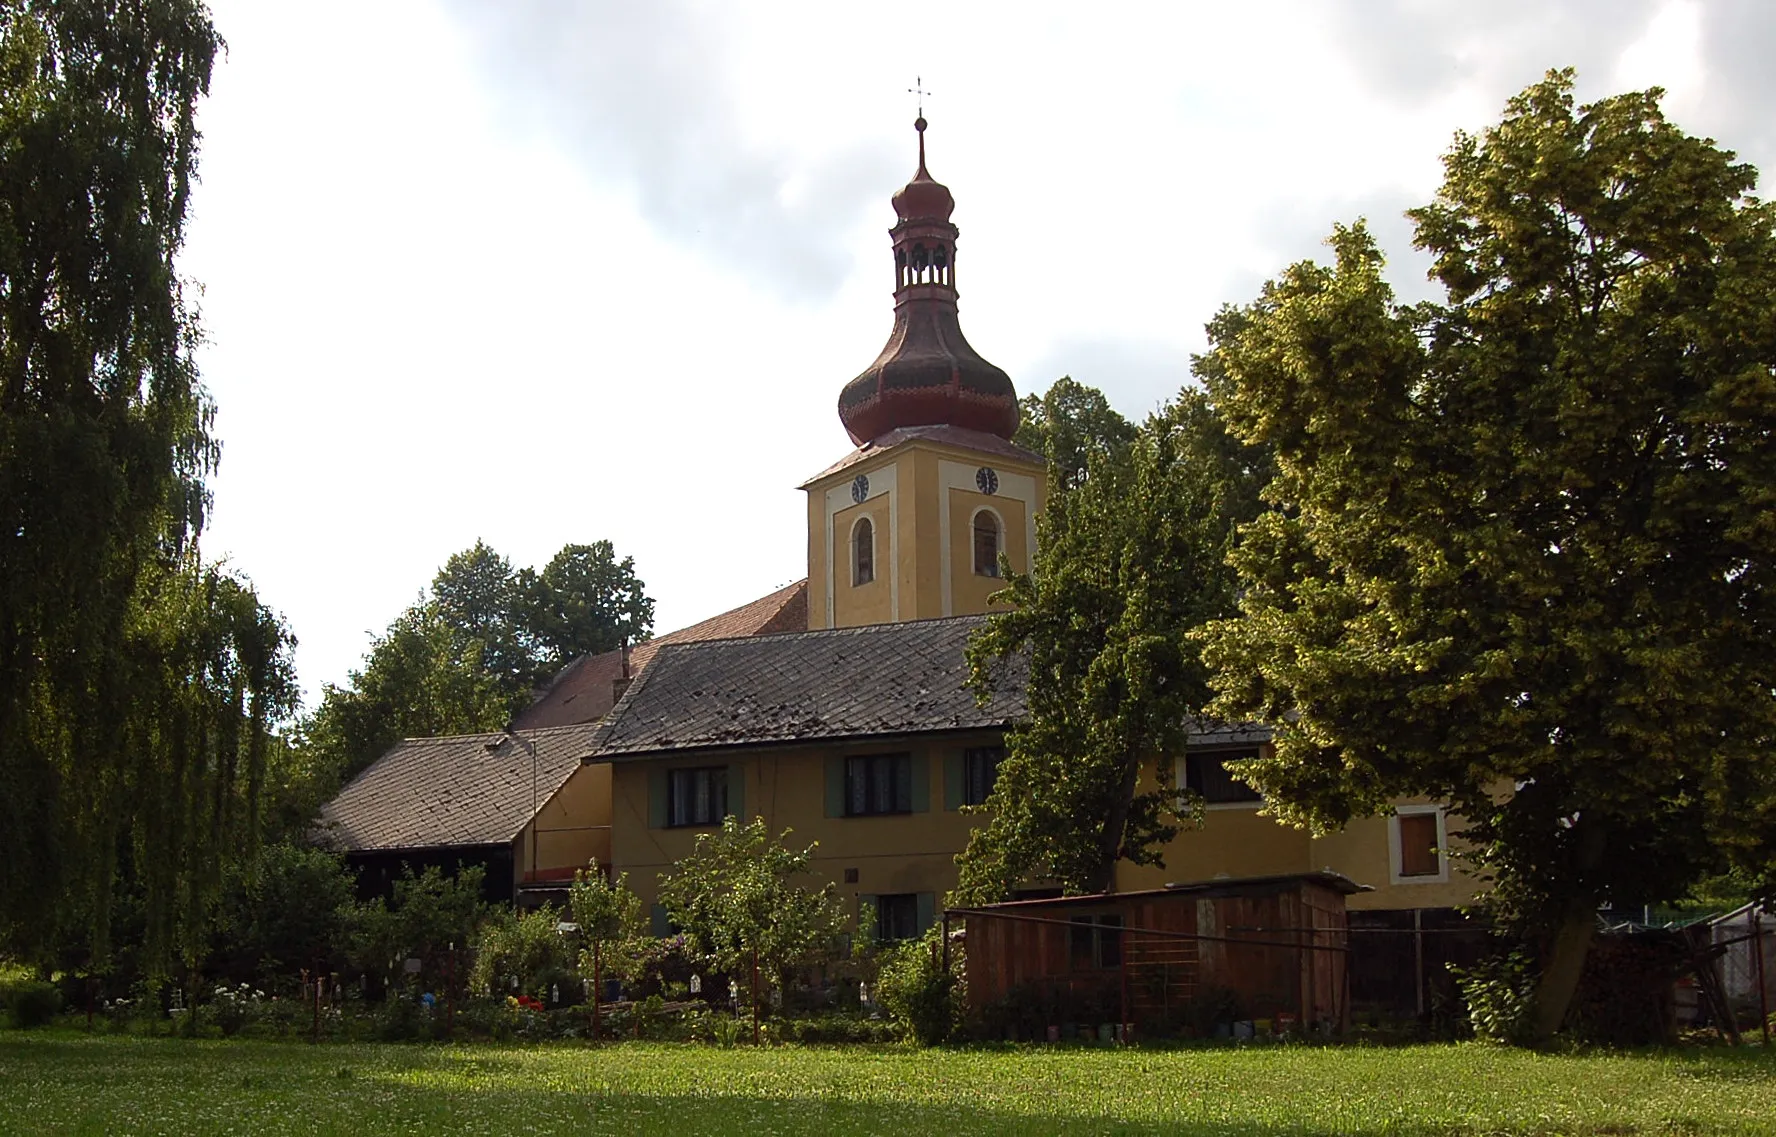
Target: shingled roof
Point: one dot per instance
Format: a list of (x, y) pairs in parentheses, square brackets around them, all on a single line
[(460, 790), (584, 690), (882, 679)]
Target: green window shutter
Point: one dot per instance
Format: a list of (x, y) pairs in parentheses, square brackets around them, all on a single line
[(867, 912), (835, 786), (954, 764), (927, 911), (659, 924), (656, 799), (921, 795), (737, 791)]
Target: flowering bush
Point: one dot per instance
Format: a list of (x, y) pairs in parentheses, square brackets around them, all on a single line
[(236, 1006)]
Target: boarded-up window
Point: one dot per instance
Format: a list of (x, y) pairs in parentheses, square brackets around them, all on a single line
[(1418, 845), (863, 553), (986, 544)]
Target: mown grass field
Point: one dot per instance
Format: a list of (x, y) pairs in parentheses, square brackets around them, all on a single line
[(62, 1082)]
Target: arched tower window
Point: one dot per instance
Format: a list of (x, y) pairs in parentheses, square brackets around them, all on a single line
[(863, 552), (986, 544)]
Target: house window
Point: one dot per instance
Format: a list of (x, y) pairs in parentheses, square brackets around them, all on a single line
[(697, 797), (1207, 774), (1418, 840), (877, 784), (986, 544), (863, 552), (897, 917), (1095, 941), (980, 769)]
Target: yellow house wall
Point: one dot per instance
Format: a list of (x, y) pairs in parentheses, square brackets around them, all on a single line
[(899, 853), (572, 827), (1362, 851), (916, 852)]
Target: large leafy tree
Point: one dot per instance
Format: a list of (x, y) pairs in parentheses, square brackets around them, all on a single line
[(469, 655), (1524, 560), (421, 678), (136, 683), (1131, 556), (1070, 424), (586, 601)]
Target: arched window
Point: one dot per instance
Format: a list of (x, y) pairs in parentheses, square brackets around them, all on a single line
[(863, 552), (986, 544)]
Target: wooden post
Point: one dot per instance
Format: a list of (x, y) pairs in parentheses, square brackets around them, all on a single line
[(450, 994), (89, 1004), (597, 982), (755, 996), (1122, 976), (946, 941), (1757, 946), (1418, 958), (317, 998)]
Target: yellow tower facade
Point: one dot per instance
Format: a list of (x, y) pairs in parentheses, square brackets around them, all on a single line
[(923, 519)]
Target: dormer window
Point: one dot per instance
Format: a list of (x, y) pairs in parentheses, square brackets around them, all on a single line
[(986, 543), (863, 552)]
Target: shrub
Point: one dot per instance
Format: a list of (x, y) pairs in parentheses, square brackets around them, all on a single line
[(917, 992), (30, 1002), (1500, 993)]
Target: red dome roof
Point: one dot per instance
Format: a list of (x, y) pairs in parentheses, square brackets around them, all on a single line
[(927, 375)]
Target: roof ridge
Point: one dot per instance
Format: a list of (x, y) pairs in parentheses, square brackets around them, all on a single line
[(850, 629)]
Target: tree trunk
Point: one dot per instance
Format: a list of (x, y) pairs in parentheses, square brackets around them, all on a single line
[(1110, 843), (1566, 965)]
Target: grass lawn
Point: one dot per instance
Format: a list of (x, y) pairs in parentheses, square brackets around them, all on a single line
[(64, 1082)]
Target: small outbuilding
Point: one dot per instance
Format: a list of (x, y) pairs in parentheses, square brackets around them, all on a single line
[(1205, 957)]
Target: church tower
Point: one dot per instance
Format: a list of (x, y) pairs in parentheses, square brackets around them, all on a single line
[(911, 524)]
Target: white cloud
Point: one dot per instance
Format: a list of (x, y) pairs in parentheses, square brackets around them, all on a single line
[(547, 273)]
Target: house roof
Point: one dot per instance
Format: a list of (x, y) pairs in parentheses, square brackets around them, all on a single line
[(585, 690), (956, 436), (881, 679), (1220, 886), (460, 790)]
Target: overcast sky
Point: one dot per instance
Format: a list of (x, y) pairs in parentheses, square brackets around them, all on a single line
[(542, 272)]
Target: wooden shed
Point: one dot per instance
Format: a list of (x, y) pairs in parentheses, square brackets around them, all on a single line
[(1169, 960)]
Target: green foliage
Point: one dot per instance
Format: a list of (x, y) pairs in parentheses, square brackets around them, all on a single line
[(1072, 425), (737, 897), (1523, 536), (467, 656), (421, 678), (584, 602), (520, 945), (1500, 994), (925, 1000), (29, 1003), (612, 927), (282, 911), (1131, 557), (137, 685), (431, 915)]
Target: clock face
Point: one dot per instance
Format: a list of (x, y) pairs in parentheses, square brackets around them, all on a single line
[(987, 479), (859, 488)]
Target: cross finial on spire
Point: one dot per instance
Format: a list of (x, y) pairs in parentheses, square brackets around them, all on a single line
[(918, 88)]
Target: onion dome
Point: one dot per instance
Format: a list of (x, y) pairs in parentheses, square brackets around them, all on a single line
[(927, 375)]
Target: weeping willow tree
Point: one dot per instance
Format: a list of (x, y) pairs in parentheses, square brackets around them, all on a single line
[(136, 684)]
